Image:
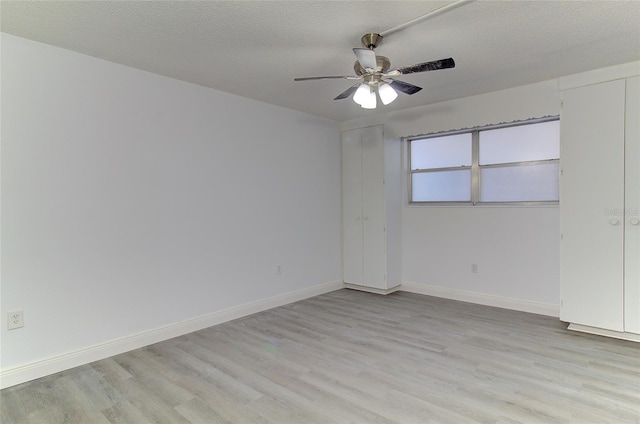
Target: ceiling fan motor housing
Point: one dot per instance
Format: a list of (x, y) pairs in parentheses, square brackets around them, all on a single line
[(382, 66), (371, 41)]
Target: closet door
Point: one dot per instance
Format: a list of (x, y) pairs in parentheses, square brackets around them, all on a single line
[(352, 207), (374, 249), (591, 205), (632, 208)]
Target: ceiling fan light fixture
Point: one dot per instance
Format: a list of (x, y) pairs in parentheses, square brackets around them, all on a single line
[(375, 77), (361, 94), (370, 101), (387, 93)]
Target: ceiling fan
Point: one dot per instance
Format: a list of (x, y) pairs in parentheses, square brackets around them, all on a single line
[(374, 75)]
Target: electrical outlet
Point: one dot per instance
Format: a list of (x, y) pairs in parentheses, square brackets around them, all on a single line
[(278, 269), (15, 319), (474, 268)]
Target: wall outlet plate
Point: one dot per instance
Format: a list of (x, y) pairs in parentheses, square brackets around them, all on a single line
[(15, 319)]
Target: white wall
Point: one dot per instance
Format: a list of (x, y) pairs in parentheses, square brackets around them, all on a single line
[(131, 201), (516, 248)]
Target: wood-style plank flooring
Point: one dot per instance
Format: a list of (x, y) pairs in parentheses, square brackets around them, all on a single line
[(352, 357)]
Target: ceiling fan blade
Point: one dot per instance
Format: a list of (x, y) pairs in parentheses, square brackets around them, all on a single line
[(405, 87), (367, 58), (427, 66), (348, 92), (348, 77)]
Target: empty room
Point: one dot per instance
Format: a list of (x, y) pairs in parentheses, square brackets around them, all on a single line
[(320, 212)]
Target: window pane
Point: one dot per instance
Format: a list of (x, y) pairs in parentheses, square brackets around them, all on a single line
[(521, 143), (441, 152), (441, 186), (520, 183)]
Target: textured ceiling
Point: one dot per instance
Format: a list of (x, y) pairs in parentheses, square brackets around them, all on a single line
[(255, 48)]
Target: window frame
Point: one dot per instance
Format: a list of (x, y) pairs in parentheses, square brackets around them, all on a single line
[(476, 167)]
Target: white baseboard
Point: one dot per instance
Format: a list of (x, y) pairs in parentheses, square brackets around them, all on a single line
[(604, 332), (371, 289), (483, 299), (30, 371)]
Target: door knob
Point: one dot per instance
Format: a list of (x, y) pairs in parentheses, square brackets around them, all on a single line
[(366, 217), (358, 218), (614, 221), (634, 221)]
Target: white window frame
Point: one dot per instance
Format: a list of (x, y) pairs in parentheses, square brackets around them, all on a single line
[(475, 165)]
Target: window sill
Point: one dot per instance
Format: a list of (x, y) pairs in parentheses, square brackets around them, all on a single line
[(483, 205)]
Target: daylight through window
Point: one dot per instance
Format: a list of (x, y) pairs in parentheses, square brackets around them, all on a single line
[(497, 164)]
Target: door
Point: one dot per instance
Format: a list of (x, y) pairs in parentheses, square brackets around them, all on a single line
[(352, 236), (632, 208), (374, 255), (592, 205)]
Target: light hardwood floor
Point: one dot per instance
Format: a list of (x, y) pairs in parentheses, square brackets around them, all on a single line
[(352, 357)]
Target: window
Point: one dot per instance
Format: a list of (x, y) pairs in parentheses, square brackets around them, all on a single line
[(497, 164)]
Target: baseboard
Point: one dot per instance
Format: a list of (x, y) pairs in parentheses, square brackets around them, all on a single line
[(26, 372), (483, 299), (371, 289), (604, 332)]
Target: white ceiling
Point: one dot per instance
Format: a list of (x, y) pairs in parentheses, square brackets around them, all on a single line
[(255, 48)]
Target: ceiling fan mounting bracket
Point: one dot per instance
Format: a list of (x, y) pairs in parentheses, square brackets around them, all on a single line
[(371, 41)]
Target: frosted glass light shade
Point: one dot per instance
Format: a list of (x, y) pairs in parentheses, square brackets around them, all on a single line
[(387, 93), (369, 101), (361, 94)]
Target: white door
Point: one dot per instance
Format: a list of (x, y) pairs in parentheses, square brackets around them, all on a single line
[(373, 207), (352, 206), (592, 204), (632, 208)]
